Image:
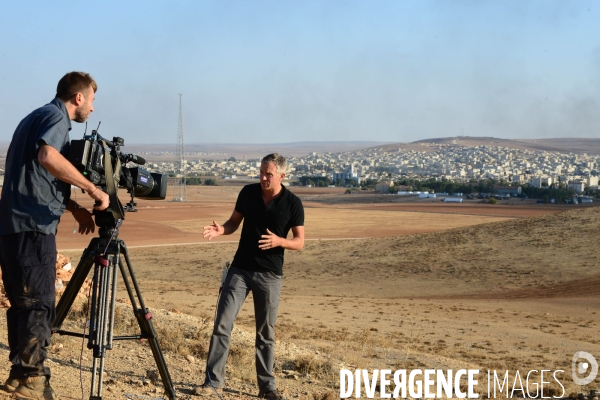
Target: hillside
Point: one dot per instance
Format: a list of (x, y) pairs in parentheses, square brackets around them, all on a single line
[(517, 295), (561, 145)]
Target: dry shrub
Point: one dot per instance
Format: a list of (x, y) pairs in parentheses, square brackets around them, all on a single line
[(330, 395), (79, 310), (311, 364), (125, 321), (177, 340), (291, 331)]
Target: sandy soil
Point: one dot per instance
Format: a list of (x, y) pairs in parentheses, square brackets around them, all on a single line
[(166, 222), (424, 285)]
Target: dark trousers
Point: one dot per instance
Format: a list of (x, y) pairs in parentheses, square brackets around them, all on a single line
[(28, 261), (266, 289)]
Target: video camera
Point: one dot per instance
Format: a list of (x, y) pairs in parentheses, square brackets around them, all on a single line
[(101, 161)]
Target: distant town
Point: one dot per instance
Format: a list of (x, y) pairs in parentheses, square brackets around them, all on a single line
[(442, 162), (391, 169)]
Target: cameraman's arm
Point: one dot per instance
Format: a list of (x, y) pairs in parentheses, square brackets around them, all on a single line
[(230, 226), (62, 169)]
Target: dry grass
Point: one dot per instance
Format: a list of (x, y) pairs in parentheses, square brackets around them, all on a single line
[(184, 340)]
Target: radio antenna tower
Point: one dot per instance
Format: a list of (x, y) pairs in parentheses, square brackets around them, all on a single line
[(180, 191)]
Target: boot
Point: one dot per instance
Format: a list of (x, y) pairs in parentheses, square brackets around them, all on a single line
[(11, 384), (35, 388)]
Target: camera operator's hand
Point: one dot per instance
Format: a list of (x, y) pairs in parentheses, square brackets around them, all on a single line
[(212, 231), (85, 220), (101, 197), (82, 216)]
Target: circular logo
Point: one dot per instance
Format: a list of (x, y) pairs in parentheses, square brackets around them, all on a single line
[(590, 367)]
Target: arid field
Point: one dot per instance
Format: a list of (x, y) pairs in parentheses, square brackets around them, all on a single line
[(381, 283)]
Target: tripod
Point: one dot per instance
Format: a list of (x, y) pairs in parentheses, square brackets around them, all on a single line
[(104, 254)]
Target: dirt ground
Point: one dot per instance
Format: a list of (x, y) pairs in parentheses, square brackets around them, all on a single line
[(378, 285), (167, 222)]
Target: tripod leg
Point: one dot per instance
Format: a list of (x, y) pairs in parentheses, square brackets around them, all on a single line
[(77, 280), (113, 301), (102, 317), (93, 336), (144, 319)]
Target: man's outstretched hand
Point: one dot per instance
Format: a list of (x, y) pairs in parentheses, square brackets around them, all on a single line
[(212, 231)]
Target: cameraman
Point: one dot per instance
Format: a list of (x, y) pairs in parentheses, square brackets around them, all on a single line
[(36, 191)]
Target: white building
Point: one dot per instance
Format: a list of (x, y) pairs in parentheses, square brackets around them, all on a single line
[(540, 181), (347, 175), (577, 186)]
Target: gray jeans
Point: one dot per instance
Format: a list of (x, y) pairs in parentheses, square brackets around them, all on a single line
[(266, 289)]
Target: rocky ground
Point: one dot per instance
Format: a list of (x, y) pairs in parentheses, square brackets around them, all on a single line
[(131, 371)]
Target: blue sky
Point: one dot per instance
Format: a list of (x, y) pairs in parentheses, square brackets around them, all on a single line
[(288, 71)]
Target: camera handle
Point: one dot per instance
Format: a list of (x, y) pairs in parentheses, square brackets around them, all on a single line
[(111, 183)]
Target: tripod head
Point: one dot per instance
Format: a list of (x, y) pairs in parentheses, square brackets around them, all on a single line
[(107, 223)]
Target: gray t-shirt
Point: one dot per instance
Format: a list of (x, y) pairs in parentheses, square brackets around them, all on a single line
[(32, 198)]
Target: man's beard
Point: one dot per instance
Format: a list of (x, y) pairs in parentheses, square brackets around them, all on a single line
[(81, 114)]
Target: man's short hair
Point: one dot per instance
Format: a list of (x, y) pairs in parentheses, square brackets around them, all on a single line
[(73, 83), (278, 160)]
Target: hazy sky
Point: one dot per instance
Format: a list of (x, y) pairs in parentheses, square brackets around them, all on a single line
[(287, 71)]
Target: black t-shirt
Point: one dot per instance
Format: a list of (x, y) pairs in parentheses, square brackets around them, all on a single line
[(279, 216)]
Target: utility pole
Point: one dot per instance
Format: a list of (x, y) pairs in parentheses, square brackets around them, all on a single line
[(180, 191)]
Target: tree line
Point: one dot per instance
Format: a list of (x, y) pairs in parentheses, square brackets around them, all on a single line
[(560, 193)]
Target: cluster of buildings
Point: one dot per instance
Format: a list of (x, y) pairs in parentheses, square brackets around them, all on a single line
[(440, 161), (452, 162)]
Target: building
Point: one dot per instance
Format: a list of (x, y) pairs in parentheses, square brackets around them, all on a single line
[(453, 200), (577, 186), (382, 187), (540, 181), (347, 175), (512, 190)]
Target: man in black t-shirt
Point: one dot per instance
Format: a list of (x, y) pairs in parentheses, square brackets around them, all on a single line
[(269, 211)]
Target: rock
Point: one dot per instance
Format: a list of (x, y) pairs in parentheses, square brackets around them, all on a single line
[(153, 376), (65, 276), (190, 358), (61, 260), (56, 347), (198, 391)]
